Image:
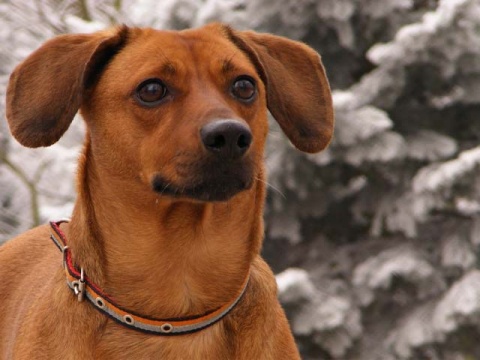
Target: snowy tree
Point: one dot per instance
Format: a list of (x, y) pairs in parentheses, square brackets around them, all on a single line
[(376, 240)]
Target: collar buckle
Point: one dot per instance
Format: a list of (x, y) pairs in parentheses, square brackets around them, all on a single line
[(79, 286)]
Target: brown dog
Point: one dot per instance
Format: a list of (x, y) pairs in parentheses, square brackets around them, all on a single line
[(168, 220)]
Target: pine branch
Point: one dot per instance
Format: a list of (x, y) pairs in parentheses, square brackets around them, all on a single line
[(31, 186)]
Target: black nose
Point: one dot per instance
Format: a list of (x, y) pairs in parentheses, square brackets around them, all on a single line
[(227, 138)]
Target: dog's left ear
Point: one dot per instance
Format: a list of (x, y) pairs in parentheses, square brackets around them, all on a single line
[(298, 93), (47, 88)]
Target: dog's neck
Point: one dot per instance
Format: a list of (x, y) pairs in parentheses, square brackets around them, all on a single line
[(158, 256)]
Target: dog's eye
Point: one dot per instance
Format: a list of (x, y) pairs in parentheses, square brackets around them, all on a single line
[(150, 92), (244, 88)]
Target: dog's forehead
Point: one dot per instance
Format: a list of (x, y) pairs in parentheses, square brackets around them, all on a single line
[(205, 45)]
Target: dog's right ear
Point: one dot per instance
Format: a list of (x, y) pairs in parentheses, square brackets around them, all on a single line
[(298, 93), (46, 90)]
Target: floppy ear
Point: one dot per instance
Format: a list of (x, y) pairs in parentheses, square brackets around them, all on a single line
[(298, 93), (46, 90)]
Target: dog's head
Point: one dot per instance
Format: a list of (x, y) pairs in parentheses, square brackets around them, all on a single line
[(182, 113)]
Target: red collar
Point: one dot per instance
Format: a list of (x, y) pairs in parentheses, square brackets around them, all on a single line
[(83, 287)]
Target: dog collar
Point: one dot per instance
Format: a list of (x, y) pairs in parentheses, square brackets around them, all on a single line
[(83, 287)]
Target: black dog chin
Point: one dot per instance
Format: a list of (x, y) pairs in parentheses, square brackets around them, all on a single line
[(213, 189)]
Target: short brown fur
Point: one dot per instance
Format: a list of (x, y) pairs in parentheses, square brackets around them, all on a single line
[(160, 255)]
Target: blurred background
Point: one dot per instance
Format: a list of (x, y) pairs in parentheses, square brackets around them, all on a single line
[(376, 240)]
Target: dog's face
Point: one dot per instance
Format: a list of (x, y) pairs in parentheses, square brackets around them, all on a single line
[(187, 110), (182, 114)]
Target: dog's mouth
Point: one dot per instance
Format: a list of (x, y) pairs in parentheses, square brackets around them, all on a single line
[(213, 183)]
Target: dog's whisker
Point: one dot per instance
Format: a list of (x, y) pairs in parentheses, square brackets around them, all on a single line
[(165, 188), (271, 186)]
